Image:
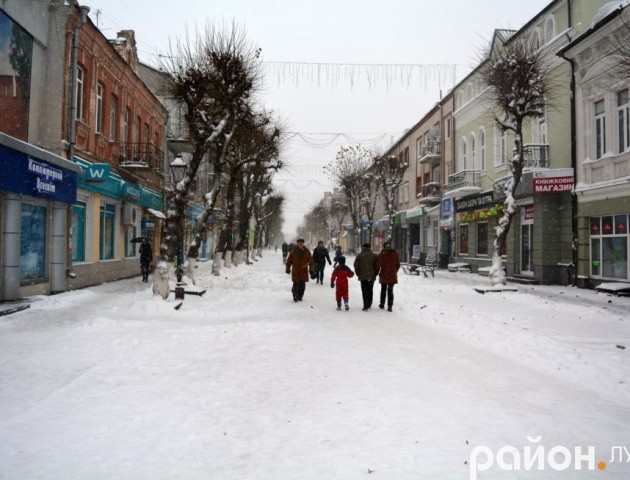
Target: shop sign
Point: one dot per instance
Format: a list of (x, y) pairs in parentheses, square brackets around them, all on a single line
[(97, 173), (527, 212), (147, 224), (130, 192), (446, 213), (556, 181), (476, 202)]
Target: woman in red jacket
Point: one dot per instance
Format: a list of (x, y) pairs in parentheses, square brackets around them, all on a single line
[(388, 265), (340, 276)]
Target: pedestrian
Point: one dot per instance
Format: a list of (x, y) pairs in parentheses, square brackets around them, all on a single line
[(285, 252), (366, 270), (338, 253), (146, 257), (299, 265), (320, 257), (388, 264), (340, 277)]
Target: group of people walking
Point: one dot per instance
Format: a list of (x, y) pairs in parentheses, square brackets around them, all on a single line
[(301, 264)]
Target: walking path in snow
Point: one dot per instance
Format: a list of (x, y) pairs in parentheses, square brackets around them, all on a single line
[(243, 383)]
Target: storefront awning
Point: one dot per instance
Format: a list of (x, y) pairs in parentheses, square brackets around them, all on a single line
[(156, 213)]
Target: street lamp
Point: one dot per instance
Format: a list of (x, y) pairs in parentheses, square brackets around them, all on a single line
[(178, 168)]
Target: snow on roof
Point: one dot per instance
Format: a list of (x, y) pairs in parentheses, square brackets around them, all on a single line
[(607, 9)]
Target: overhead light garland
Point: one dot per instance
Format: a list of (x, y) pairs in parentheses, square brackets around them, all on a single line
[(331, 74)]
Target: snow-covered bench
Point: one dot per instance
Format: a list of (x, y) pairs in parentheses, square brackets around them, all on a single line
[(614, 288), (423, 264), (458, 267)]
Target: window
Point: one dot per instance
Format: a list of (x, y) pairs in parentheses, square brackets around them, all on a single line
[(406, 192), (623, 116), (130, 233), (600, 129), (33, 243), (500, 148), (609, 246), (482, 238), (100, 89), (77, 232), (463, 239), (113, 117), (107, 233), (78, 115), (146, 138), (126, 126), (462, 154), (534, 40), (549, 29), (482, 149), (448, 128), (473, 152)]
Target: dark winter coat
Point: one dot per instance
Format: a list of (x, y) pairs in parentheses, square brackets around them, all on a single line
[(320, 255), (285, 248), (299, 263), (365, 265), (388, 264), (339, 278), (146, 253)]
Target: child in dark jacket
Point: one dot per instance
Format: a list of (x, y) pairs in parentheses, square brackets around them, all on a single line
[(340, 276)]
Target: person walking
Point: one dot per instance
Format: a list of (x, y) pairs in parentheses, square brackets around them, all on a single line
[(146, 257), (340, 277), (285, 252), (320, 256), (366, 270), (299, 265), (338, 254), (388, 265)]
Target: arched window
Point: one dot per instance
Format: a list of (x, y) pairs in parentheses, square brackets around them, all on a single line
[(462, 154), (550, 28), (534, 39), (482, 149), (473, 159)]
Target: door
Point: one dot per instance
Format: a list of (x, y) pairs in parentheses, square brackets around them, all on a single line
[(527, 240)]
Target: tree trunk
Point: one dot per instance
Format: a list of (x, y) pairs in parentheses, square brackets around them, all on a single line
[(161, 276)]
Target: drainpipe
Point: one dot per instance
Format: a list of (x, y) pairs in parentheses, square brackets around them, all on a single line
[(75, 72)]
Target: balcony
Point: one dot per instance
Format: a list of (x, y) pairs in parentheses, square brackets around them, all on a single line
[(535, 155), (430, 193), (430, 153), (463, 183), (140, 156)]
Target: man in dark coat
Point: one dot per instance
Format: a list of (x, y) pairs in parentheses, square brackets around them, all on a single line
[(338, 255), (366, 271), (299, 265), (320, 256), (285, 252), (388, 264), (146, 257)]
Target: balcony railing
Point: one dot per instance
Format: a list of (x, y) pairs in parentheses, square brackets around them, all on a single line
[(535, 155), (430, 152), (141, 155), (464, 179), (430, 193)]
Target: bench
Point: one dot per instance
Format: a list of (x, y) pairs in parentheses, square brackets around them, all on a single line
[(614, 288), (423, 264)]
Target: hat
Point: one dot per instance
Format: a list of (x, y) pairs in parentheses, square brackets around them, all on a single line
[(387, 244), (300, 240), (341, 260), (367, 245)]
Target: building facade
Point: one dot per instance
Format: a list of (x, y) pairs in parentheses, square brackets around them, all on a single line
[(602, 119)]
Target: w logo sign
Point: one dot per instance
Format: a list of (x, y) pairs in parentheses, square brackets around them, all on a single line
[(97, 173)]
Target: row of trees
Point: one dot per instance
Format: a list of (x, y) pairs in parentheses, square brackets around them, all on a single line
[(216, 75)]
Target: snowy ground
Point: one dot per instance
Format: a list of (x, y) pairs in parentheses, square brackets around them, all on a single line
[(242, 383)]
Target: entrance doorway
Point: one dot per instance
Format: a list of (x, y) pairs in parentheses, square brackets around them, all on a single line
[(527, 240)]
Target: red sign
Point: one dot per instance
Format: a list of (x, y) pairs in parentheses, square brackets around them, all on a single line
[(551, 182)]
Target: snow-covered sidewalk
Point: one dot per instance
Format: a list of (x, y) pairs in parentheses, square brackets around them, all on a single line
[(243, 383)]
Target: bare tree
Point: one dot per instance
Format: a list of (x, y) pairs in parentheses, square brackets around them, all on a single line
[(215, 73), (621, 45), (391, 172), (520, 82)]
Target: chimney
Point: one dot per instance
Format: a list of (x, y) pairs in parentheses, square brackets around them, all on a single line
[(125, 45)]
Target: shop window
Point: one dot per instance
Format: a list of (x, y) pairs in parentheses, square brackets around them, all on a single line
[(609, 246), (33, 243), (482, 238), (107, 233), (77, 231), (463, 239), (130, 234)]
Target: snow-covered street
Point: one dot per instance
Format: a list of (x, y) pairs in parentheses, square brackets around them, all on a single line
[(243, 383)]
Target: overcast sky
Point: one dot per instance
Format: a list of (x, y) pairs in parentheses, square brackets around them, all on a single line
[(325, 86)]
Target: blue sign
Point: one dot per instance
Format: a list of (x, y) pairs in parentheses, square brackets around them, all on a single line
[(130, 192), (21, 173)]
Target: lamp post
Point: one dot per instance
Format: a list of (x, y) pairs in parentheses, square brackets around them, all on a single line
[(178, 171)]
